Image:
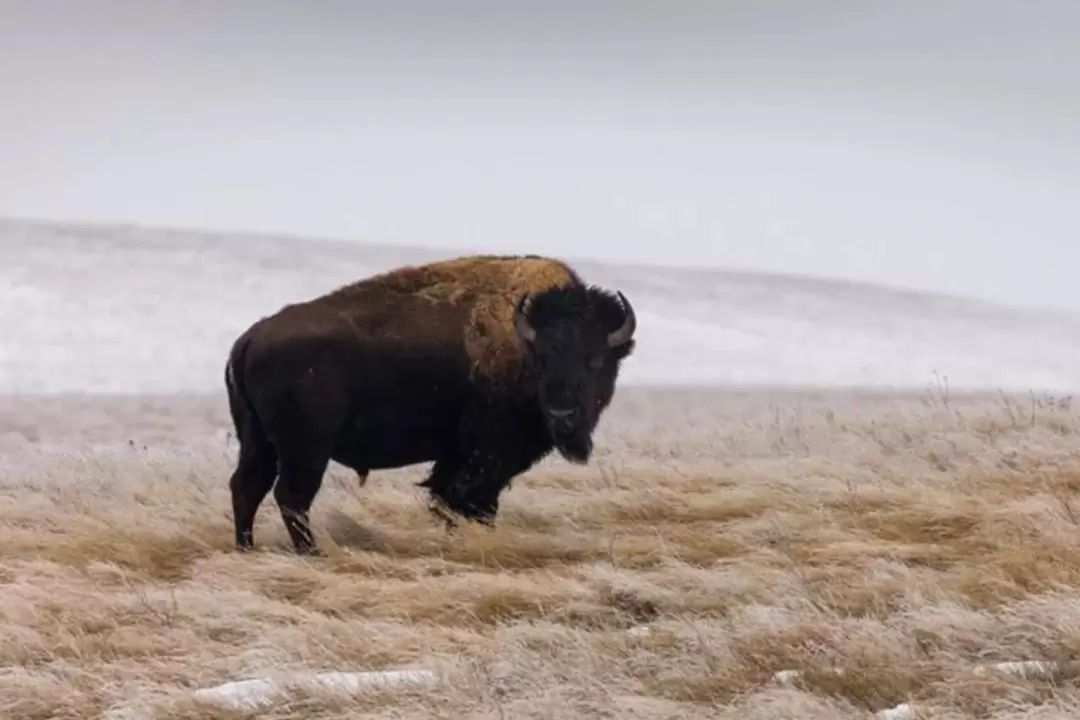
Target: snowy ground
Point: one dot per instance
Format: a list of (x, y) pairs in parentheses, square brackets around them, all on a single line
[(130, 310)]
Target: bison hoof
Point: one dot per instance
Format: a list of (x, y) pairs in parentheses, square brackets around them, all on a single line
[(438, 510), (310, 551)]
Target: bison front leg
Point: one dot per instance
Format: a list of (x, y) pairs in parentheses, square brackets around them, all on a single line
[(473, 492), (481, 503), (490, 451), (441, 512), (442, 476)]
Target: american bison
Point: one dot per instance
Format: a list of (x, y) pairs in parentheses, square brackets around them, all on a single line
[(480, 364)]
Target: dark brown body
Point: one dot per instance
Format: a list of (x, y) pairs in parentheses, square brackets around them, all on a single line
[(422, 364)]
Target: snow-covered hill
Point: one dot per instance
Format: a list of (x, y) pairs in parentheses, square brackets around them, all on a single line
[(138, 310)]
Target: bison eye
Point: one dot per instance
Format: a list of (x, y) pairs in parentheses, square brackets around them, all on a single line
[(596, 362)]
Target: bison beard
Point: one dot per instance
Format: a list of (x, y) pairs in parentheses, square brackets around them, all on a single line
[(481, 365), (575, 447)]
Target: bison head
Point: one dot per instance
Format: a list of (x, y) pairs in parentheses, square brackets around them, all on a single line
[(576, 339)]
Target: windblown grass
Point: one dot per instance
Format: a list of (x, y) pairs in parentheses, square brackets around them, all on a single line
[(902, 539)]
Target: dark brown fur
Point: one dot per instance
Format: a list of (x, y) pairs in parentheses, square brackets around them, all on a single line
[(422, 364)]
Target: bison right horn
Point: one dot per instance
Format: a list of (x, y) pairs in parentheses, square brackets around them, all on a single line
[(624, 333), (521, 322)]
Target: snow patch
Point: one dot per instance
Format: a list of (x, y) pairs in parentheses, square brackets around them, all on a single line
[(1024, 669), (253, 694)]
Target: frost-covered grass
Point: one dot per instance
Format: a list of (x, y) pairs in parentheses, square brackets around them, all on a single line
[(906, 540)]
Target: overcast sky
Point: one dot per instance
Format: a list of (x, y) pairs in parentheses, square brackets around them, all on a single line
[(932, 143)]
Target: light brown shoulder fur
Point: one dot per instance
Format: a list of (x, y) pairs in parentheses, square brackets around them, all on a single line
[(490, 286)]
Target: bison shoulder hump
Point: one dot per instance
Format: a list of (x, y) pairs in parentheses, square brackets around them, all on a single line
[(489, 286)]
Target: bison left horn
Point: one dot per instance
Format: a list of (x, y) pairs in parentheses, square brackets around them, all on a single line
[(521, 323), (624, 333)]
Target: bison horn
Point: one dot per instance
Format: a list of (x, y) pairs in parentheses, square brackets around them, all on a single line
[(521, 323), (624, 333)]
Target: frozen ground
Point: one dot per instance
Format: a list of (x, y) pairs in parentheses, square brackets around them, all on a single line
[(131, 310)]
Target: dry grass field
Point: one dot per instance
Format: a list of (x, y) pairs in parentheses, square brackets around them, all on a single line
[(904, 539)]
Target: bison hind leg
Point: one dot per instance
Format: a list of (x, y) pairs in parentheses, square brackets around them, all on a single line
[(301, 474), (255, 472)]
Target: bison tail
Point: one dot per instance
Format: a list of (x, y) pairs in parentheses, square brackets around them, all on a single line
[(243, 413), (236, 409)]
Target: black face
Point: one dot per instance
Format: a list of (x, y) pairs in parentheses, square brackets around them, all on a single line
[(576, 337)]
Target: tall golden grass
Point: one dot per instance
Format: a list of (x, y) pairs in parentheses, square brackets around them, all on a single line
[(902, 538)]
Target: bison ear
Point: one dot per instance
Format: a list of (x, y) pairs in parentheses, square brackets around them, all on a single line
[(521, 323)]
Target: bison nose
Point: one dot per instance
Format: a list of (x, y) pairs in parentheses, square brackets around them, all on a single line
[(562, 418)]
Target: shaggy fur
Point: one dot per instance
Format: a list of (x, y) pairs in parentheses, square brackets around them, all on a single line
[(481, 283), (423, 364)]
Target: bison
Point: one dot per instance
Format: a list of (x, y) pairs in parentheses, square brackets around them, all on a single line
[(480, 364)]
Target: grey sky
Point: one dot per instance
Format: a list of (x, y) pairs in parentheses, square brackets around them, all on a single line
[(928, 144)]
